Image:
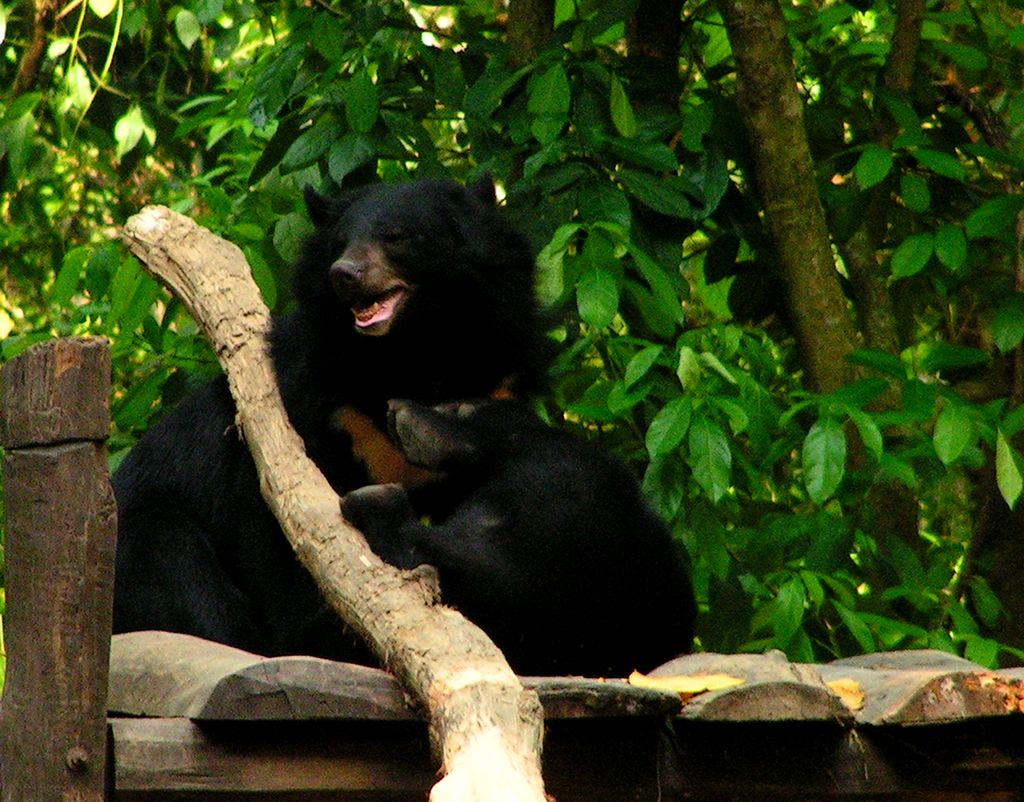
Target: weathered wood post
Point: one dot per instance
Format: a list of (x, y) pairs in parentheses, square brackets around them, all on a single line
[(61, 530)]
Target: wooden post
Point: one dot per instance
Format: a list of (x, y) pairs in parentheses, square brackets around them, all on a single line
[(61, 530)]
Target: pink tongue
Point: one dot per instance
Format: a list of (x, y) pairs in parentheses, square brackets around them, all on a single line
[(377, 312)]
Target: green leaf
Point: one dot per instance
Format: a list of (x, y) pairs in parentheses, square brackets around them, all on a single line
[(311, 144), (349, 153), (869, 432), (655, 156), (860, 630), (597, 298), (669, 426), (688, 369), (1008, 326), (122, 289), (710, 457), (739, 420), (362, 104), (665, 195), (911, 256), (824, 459), (129, 130), (915, 193), (954, 431), (641, 364), (716, 365), (549, 93), (986, 603), (940, 356), (873, 166), (881, 361), (665, 485), (1009, 476), (66, 282), (187, 27), (994, 217), (951, 247), (133, 411), (789, 611), (622, 113), (290, 232), (941, 163), (970, 58)]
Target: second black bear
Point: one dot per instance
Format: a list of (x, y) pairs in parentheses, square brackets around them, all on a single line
[(549, 546)]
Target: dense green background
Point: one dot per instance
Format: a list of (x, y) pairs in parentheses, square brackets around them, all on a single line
[(821, 517)]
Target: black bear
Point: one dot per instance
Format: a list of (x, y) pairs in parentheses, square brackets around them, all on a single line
[(550, 547), (420, 291)]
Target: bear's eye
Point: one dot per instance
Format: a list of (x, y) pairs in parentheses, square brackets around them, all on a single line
[(395, 236)]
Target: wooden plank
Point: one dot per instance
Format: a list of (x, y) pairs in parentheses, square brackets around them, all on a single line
[(273, 760), (170, 674), (57, 391), (773, 689), (167, 674), (929, 696), (585, 760), (60, 525)]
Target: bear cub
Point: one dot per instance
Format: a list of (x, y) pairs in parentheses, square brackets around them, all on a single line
[(549, 547)]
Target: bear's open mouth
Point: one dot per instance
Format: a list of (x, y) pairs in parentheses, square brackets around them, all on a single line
[(375, 314)]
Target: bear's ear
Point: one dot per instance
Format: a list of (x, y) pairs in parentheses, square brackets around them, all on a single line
[(322, 210), (483, 190)]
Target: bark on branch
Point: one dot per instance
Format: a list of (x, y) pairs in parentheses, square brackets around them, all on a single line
[(486, 729)]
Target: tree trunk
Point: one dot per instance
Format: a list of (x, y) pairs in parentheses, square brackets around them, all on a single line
[(530, 25), (875, 309), (652, 39), (485, 728), (784, 173)]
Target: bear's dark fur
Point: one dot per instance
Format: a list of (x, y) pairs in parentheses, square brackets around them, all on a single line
[(419, 291), (444, 287), (550, 547)]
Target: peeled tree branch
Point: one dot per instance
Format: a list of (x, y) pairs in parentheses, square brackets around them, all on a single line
[(486, 729)]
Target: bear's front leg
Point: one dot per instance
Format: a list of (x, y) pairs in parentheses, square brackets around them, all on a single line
[(383, 514)]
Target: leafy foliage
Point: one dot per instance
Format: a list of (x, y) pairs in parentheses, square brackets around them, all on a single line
[(653, 257)]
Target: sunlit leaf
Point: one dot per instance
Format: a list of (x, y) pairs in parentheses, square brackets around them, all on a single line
[(710, 457), (954, 431), (686, 685), (951, 247), (187, 27), (130, 129), (669, 426), (1009, 475), (362, 105), (994, 217), (597, 298), (915, 193), (641, 363), (849, 692), (1008, 326), (941, 163), (688, 369), (622, 113), (102, 8), (912, 255), (824, 459), (873, 166)]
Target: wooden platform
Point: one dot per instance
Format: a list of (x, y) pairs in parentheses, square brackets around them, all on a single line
[(197, 720)]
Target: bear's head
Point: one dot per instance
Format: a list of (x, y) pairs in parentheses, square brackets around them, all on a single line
[(430, 271), (393, 256)]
